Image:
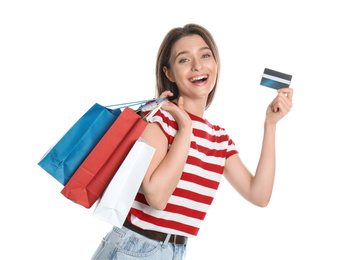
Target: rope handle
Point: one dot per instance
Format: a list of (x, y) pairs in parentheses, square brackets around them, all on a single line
[(152, 113), (129, 104)]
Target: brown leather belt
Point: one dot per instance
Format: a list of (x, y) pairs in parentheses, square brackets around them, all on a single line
[(175, 239)]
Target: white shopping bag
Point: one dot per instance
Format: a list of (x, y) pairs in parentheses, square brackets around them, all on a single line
[(119, 195)]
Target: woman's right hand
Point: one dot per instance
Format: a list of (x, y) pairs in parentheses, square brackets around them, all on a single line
[(177, 111)]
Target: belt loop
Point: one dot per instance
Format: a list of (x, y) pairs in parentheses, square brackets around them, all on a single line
[(174, 239), (166, 241)]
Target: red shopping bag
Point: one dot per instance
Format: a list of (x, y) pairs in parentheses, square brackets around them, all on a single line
[(95, 173)]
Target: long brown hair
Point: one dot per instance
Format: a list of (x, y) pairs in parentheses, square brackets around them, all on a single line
[(163, 57)]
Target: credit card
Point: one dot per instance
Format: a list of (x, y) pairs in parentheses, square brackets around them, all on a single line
[(275, 79)]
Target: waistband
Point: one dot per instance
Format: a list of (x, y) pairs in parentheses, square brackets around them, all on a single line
[(174, 239)]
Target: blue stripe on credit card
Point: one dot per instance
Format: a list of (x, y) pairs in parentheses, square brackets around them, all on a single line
[(275, 79)]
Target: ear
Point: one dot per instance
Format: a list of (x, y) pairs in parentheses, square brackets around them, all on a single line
[(168, 74)]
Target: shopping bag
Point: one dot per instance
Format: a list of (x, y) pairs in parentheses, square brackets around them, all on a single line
[(95, 173), (119, 195), (63, 159)]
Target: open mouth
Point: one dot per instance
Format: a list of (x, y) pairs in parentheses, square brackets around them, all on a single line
[(199, 79)]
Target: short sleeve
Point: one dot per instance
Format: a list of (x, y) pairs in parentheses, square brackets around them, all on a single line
[(166, 122), (231, 150)]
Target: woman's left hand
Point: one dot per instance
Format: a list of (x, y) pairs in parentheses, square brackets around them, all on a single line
[(280, 106)]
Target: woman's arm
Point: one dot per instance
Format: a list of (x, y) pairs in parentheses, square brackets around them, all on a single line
[(258, 188), (166, 166)]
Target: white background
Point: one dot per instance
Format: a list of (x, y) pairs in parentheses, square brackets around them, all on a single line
[(57, 58)]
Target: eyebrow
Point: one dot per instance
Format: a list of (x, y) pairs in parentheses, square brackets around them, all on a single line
[(187, 52)]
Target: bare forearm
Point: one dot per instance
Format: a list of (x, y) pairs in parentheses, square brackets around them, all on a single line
[(258, 188), (262, 182), (167, 175)]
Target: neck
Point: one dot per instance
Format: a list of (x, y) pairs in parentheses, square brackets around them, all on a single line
[(195, 107)]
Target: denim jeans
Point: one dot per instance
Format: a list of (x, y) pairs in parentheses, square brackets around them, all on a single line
[(127, 244)]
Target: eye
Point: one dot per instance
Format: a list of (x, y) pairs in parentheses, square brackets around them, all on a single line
[(183, 60), (206, 56)]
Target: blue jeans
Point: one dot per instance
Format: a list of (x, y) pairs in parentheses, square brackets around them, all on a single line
[(127, 244)]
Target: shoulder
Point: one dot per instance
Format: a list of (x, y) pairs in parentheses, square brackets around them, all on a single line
[(211, 131), (219, 137), (165, 122), (154, 136)]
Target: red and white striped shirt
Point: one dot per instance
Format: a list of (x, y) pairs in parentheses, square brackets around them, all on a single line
[(187, 207)]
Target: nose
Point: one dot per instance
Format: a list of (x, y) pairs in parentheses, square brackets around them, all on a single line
[(197, 65)]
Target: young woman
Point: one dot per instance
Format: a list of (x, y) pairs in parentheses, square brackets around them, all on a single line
[(191, 154)]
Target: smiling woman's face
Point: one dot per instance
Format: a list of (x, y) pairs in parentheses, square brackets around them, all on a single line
[(192, 67)]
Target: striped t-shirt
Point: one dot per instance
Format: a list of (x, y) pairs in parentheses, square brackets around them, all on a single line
[(187, 207)]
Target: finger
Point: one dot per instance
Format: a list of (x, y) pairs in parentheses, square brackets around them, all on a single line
[(273, 105), (284, 99), (173, 105), (279, 102), (166, 93), (168, 106), (283, 107), (167, 103), (278, 107), (287, 91), (286, 96)]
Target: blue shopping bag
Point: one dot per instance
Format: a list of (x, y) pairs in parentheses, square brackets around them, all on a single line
[(64, 158)]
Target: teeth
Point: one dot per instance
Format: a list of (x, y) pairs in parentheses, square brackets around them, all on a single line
[(199, 78)]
